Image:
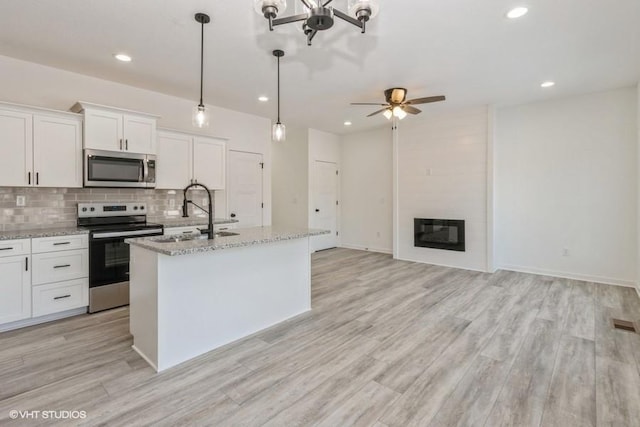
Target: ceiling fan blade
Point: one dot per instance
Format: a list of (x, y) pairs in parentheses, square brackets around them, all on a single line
[(367, 103), (411, 110), (425, 100), (377, 112)]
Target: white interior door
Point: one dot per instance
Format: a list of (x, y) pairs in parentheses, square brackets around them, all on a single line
[(324, 208), (245, 188)]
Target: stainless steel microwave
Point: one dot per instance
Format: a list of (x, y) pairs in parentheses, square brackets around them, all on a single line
[(114, 169)]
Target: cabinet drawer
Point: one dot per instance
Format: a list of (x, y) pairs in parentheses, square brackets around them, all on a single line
[(60, 243), (15, 247), (60, 266), (222, 227), (62, 296), (183, 230)]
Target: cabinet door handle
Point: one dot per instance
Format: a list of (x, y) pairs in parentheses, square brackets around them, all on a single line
[(62, 266), (37, 178), (187, 232), (120, 143), (126, 144), (26, 263), (29, 177), (62, 297), (5, 249), (61, 243)]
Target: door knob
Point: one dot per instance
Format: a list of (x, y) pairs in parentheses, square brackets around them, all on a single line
[(317, 210), (232, 215)]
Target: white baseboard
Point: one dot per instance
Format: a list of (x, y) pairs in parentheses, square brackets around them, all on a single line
[(567, 275), (144, 356), (364, 248), (42, 319)]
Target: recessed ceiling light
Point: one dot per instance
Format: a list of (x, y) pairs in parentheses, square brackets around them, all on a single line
[(122, 57), (517, 12), (547, 84), (263, 98), (347, 123)]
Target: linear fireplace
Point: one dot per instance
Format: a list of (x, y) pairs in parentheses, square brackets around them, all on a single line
[(439, 234)]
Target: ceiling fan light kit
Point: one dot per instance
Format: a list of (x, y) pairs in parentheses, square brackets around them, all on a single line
[(317, 15), (200, 117), (397, 105), (279, 132)]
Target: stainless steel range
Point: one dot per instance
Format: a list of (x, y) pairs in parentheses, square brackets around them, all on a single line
[(110, 224)]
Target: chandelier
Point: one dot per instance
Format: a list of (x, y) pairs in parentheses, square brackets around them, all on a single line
[(317, 14)]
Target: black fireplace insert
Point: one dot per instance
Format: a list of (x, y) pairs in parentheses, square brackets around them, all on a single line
[(439, 233)]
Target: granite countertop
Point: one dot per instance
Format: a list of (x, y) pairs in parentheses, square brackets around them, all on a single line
[(246, 237), (41, 232), (190, 221)]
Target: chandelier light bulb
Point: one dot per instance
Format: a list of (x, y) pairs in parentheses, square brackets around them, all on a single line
[(268, 8), (358, 7)]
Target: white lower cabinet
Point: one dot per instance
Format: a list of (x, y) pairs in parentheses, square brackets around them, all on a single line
[(42, 276), (15, 288), (56, 297)]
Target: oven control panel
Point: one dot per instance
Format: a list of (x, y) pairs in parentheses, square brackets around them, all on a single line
[(91, 210)]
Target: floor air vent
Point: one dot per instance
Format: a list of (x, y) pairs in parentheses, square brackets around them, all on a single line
[(625, 325)]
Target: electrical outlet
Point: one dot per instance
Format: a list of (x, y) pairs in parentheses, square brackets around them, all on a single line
[(21, 200), (172, 203), (565, 252), (205, 202)]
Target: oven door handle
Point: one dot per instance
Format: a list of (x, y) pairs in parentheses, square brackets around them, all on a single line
[(126, 233)]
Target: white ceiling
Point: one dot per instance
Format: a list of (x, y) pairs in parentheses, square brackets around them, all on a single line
[(464, 49)]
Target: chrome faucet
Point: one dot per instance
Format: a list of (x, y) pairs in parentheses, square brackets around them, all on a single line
[(185, 208)]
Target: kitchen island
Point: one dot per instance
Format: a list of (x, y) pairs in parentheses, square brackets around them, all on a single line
[(190, 296)]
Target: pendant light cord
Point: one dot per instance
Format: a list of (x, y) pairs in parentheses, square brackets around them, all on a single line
[(278, 90), (201, 61)]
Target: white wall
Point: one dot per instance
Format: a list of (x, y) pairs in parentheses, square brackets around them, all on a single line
[(290, 179), (566, 177), (38, 85), (442, 173), (367, 198)]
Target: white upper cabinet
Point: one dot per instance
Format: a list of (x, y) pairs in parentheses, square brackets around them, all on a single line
[(16, 145), (184, 159), (40, 148), (208, 162), (103, 130), (173, 163), (113, 129), (139, 134), (57, 151)]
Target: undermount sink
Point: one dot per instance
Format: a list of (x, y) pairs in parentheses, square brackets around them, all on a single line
[(179, 238)]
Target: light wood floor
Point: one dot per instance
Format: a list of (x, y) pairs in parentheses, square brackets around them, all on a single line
[(388, 343)]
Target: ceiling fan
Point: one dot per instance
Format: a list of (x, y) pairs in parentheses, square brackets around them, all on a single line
[(397, 105)]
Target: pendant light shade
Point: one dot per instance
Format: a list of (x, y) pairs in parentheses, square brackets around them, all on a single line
[(200, 116), (278, 133)]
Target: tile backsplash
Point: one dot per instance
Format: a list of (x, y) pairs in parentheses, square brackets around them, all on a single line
[(57, 207)]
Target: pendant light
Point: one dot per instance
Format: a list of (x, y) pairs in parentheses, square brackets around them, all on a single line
[(200, 113), (279, 130)]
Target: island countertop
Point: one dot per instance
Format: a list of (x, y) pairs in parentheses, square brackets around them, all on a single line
[(245, 237)]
